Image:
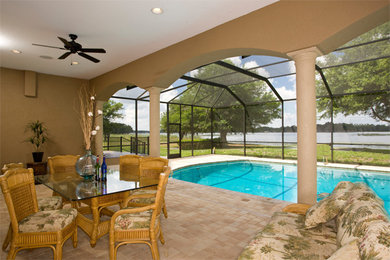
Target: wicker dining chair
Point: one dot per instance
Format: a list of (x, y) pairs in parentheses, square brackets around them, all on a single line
[(62, 167), (8, 166), (149, 167), (46, 203), (129, 167), (32, 228), (62, 164), (139, 224)]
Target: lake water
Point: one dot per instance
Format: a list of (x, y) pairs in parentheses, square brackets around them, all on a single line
[(378, 140)]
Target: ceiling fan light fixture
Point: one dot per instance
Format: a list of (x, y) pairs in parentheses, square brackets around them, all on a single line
[(74, 63), (46, 57), (72, 47), (157, 10), (16, 51)]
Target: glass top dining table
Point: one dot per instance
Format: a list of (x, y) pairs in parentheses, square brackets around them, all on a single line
[(96, 195), (74, 188)]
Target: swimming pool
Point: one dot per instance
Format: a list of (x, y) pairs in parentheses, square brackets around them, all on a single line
[(278, 181)]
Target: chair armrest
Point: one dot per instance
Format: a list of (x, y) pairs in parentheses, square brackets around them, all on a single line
[(297, 208)]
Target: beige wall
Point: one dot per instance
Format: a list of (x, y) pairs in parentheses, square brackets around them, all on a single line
[(54, 104)]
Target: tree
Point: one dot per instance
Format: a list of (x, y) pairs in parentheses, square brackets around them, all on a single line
[(111, 111), (228, 112), (366, 76)]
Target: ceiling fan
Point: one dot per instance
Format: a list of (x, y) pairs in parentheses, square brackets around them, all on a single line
[(74, 47)]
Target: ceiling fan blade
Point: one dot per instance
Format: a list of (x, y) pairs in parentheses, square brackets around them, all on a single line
[(41, 45), (63, 56), (93, 50), (67, 44), (82, 54)]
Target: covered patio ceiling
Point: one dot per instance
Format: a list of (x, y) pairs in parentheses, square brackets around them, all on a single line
[(232, 73)]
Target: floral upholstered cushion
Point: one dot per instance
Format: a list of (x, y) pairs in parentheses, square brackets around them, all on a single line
[(143, 191), (376, 241), (47, 221), (362, 192), (285, 237), (348, 252), (363, 207), (133, 220), (329, 207), (49, 203), (294, 225), (143, 200)]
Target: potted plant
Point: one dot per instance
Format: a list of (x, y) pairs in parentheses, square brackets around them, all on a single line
[(37, 139)]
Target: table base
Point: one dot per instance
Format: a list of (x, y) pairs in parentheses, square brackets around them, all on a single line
[(97, 206)]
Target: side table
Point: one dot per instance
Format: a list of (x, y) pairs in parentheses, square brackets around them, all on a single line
[(39, 168)]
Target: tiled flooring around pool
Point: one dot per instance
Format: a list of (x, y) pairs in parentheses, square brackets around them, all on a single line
[(203, 223)]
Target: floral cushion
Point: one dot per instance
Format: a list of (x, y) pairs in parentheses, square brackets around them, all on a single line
[(348, 252), (294, 225), (363, 207), (329, 207), (47, 221), (49, 203), (285, 237), (376, 241), (362, 192), (133, 220), (143, 200)]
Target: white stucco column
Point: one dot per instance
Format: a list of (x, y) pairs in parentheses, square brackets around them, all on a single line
[(154, 121), (306, 123)]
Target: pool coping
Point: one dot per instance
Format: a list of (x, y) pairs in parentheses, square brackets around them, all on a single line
[(214, 158)]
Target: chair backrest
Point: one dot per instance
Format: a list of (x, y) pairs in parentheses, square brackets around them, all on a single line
[(8, 166), (152, 166), (161, 188), (19, 193), (62, 164), (129, 167)]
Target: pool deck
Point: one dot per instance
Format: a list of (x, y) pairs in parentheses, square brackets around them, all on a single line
[(204, 222)]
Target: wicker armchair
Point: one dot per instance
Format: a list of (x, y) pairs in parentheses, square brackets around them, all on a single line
[(63, 167), (149, 167), (129, 167), (140, 224), (8, 166), (152, 166), (47, 203), (60, 165), (32, 228)]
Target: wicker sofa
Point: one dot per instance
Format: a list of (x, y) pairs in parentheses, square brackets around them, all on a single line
[(350, 223)]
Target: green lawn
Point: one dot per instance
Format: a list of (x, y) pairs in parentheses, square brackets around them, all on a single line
[(363, 157)]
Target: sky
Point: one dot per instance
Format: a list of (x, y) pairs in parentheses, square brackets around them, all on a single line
[(286, 87)]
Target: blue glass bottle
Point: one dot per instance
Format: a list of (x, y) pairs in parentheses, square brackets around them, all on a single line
[(104, 169)]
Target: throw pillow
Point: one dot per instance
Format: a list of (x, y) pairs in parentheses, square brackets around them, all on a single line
[(329, 207)]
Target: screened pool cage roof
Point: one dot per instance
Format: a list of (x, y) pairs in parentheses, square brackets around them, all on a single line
[(223, 84)]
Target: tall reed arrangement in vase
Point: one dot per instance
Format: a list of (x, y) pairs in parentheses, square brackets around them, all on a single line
[(88, 115), (85, 165)]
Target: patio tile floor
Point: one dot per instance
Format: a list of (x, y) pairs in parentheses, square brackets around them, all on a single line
[(203, 223)]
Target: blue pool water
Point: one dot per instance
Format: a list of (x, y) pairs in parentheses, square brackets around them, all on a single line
[(278, 181)]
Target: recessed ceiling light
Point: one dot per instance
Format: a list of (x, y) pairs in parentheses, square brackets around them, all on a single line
[(74, 63), (16, 51), (157, 10)]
